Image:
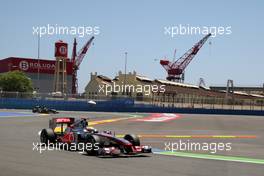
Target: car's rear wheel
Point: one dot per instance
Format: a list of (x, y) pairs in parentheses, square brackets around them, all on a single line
[(54, 111), (47, 136), (94, 142), (133, 139)]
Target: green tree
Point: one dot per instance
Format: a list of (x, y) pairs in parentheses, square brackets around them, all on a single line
[(15, 81)]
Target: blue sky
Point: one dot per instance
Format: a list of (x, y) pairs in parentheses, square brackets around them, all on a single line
[(137, 27)]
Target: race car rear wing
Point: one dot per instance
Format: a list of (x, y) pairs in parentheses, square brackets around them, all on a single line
[(53, 123)]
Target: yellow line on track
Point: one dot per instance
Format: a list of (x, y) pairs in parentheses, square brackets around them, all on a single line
[(111, 120)]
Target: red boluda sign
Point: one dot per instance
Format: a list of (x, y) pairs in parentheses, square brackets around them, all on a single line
[(25, 66), (33, 65)]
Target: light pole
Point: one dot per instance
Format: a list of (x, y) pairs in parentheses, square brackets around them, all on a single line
[(38, 85), (125, 70)]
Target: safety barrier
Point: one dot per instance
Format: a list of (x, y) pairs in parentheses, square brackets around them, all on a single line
[(17, 103), (116, 105)]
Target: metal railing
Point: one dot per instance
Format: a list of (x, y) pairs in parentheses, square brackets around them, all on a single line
[(178, 101)]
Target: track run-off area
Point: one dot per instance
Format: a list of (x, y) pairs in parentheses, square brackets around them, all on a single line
[(183, 144)]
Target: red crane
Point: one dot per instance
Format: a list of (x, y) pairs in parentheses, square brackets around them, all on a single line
[(176, 68), (77, 59)]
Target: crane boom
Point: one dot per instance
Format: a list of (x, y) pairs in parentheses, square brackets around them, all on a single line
[(189, 55), (82, 52), (74, 54), (175, 69), (77, 60)]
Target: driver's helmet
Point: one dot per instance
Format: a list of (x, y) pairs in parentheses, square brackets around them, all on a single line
[(107, 132), (92, 130), (84, 123), (79, 124)]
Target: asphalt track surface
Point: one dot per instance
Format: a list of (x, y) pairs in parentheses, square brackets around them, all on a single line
[(19, 129)]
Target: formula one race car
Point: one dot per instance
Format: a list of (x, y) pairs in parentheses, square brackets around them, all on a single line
[(70, 131), (44, 109)]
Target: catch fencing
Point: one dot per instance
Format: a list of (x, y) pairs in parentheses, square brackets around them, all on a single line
[(160, 101)]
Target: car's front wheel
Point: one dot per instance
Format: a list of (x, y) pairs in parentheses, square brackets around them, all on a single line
[(133, 139), (94, 142)]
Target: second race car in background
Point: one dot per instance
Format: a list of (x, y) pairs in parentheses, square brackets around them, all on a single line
[(44, 110)]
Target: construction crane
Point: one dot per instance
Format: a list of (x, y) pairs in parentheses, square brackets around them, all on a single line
[(77, 59), (175, 69)]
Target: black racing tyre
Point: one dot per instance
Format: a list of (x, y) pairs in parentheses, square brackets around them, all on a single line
[(39, 110), (133, 139), (53, 111), (96, 143), (47, 136)]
